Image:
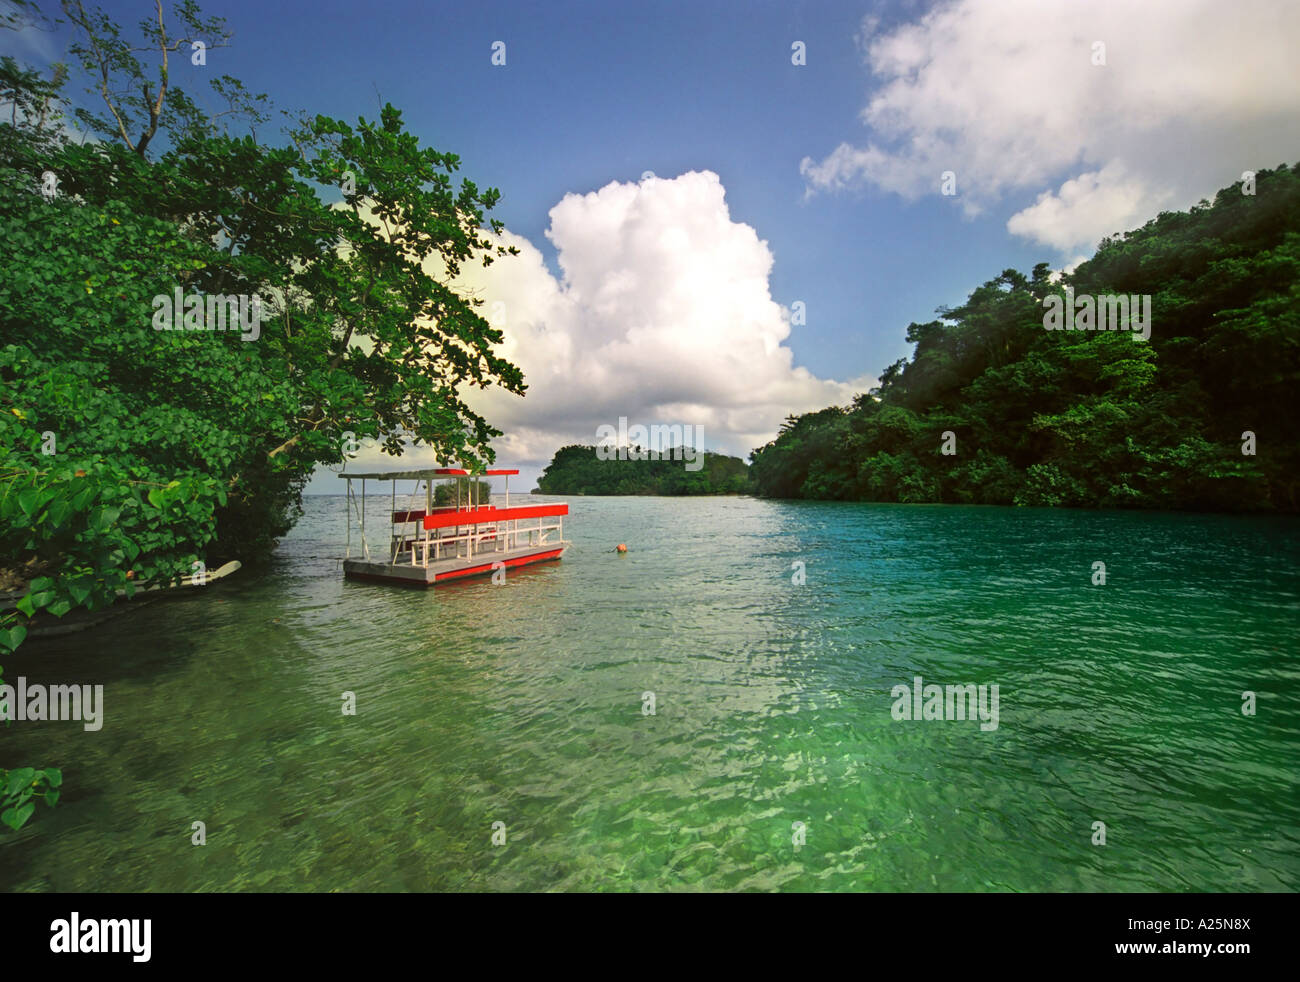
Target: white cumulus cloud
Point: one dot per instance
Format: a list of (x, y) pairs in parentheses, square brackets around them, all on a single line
[(1005, 93), (662, 314)]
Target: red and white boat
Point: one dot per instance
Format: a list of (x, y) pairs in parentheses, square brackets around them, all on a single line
[(433, 544)]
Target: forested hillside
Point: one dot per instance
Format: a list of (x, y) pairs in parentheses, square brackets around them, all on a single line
[(1090, 418), (577, 470)]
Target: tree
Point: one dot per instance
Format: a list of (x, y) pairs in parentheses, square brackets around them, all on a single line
[(577, 469), (1089, 418), (183, 446), (138, 442)]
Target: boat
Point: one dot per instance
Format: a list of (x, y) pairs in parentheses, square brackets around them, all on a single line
[(439, 544)]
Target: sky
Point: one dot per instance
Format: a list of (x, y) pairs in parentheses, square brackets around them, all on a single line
[(729, 211)]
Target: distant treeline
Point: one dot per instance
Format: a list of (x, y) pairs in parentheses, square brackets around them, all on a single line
[(995, 409), (447, 492), (577, 470)]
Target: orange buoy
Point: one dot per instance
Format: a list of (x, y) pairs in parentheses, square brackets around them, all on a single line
[(621, 548)]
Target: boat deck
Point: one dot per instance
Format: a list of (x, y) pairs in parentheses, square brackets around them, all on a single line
[(451, 568)]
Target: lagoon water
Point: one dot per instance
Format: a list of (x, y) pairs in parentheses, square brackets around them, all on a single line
[(523, 704)]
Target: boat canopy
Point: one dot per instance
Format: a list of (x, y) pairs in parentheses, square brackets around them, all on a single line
[(427, 473)]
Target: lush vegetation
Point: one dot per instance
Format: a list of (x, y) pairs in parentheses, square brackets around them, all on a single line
[(129, 453), (1038, 417), (445, 492), (577, 470), (22, 787), (137, 447)]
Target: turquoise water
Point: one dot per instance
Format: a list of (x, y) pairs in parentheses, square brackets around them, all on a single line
[(522, 704)]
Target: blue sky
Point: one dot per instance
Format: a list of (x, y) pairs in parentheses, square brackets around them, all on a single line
[(835, 165), (595, 92)]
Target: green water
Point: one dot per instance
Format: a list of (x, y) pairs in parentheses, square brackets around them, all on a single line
[(522, 704)]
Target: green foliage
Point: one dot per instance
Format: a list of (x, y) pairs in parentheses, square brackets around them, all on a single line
[(1089, 419), (444, 492), (576, 469), (129, 452), (22, 787)]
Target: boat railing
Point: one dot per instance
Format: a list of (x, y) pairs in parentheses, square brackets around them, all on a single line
[(421, 547), (406, 516)]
